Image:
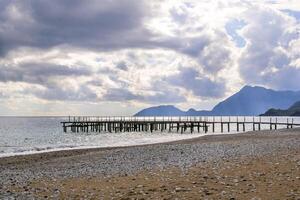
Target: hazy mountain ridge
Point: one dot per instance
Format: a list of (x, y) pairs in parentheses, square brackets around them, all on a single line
[(163, 110), (248, 101), (294, 110)]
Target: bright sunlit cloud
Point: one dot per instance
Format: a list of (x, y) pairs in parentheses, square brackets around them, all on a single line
[(116, 57)]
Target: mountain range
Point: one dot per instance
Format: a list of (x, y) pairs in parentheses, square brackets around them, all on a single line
[(248, 101), (294, 110)]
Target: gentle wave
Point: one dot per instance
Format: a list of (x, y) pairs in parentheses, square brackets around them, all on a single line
[(37, 150), (26, 135)]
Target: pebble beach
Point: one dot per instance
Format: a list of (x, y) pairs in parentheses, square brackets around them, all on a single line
[(252, 165)]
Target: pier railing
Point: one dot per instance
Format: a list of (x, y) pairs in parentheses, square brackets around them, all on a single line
[(177, 123)]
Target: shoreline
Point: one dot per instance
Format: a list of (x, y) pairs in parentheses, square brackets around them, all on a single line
[(64, 152), (103, 171), (98, 148), (219, 137), (86, 149)]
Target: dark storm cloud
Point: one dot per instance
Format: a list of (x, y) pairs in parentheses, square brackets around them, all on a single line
[(39, 73), (104, 24), (98, 25), (190, 79)]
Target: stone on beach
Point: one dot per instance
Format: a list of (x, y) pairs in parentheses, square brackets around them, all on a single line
[(227, 166)]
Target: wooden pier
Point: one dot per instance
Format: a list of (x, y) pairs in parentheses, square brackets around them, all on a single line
[(175, 124)]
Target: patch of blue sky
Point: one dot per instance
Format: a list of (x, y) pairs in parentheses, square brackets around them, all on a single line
[(293, 13), (232, 28)]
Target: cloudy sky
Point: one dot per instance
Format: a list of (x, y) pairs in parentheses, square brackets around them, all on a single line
[(114, 57)]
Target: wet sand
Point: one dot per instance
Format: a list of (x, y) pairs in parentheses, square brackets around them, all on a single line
[(257, 165)]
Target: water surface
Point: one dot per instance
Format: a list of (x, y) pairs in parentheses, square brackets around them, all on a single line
[(23, 135)]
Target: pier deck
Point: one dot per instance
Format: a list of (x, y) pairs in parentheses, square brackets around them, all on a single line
[(178, 124)]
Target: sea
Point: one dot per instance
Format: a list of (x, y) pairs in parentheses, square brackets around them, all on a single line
[(30, 135)]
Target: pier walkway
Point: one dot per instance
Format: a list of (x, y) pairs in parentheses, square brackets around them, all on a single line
[(177, 124)]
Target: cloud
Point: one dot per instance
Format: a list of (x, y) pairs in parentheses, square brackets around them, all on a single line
[(170, 95), (122, 66), (58, 93), (49, 81), (269, 56), (2, 95), (39, 73), (287, 78), (158, 92), (119, 94), (293, 13), (104, 25), (145, 52), (163, 92), (200, 85)]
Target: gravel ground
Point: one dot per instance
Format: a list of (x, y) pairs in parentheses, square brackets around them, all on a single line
[(21, 171)]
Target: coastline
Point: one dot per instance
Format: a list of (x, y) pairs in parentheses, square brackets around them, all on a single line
[(85, 149), (22, 175), (97, 148)]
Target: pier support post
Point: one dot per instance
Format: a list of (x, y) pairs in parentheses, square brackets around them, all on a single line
[(228, 127), (221, 127)]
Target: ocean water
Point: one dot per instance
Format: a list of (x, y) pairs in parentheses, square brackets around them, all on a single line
[(27, 135)]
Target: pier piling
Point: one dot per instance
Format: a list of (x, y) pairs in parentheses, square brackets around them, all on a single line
[(169, 124)]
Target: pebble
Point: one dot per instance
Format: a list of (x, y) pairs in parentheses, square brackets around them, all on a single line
[(130, 160)]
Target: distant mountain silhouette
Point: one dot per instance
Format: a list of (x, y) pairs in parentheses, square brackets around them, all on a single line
[(295, 106), (169, 110), (294, 110), (255, 100), (248, 101), (165, 110)]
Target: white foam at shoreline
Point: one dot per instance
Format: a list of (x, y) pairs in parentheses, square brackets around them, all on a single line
[(23, 136), (152, 140)]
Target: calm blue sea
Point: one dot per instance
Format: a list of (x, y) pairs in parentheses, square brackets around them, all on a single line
[(25, 135)]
